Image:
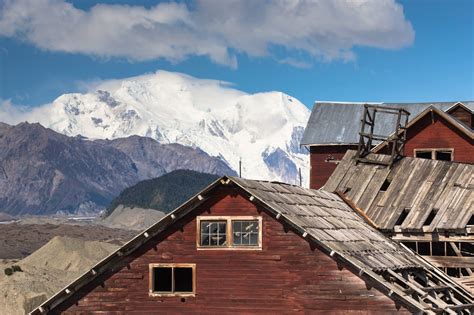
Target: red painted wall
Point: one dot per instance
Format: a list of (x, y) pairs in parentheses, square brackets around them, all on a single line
[(429, 132), (286, 276), (322, 162), (435, 132)]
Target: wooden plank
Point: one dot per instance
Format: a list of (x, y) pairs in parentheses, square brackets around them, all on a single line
[(451, 261), (340, 172)]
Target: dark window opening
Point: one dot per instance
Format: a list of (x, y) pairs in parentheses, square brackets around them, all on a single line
[(430, 217), (410, 245), (402, 217), (453, 272), (183, 279), (424, 248), (423, 154), (471, 220), (438, 248), (213, 233), (385, 185), (443, 155), (172, 280), (163, 279)]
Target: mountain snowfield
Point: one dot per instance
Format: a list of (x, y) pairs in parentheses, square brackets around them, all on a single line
[(262, 130)]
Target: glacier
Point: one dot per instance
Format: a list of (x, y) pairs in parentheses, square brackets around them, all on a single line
[(262, 130)]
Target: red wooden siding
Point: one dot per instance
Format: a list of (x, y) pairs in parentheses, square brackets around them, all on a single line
[(286, 276), (322, 162), (434, 132)]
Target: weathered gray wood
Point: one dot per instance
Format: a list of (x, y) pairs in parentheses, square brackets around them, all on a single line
[(419, 185)]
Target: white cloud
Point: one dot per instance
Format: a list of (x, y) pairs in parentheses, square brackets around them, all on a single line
[(217, 29), (13, 113)]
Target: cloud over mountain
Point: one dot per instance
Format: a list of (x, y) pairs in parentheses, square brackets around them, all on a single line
[(263, 129), (322, 30)]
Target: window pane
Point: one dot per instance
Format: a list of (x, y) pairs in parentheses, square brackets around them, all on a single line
[(423, 154), (183, 279), (214, 227), (245, 233), (254, 239), (443, 155), (162, 279), (205, 240), (213, 233)]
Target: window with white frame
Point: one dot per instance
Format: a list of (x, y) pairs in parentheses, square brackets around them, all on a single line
[(244, 232), (435, 154), (172, 279)]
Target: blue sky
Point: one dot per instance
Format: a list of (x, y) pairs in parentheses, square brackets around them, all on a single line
[(423, 53)]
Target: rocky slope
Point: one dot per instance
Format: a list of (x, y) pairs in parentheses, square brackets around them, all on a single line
[(263, 130), (44, 172), (46, 271)]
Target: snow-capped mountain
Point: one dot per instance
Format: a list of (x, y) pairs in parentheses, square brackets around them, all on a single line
[(262, 130)]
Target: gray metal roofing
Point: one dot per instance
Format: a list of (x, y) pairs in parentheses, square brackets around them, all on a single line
[(419, 186), (339, 123)]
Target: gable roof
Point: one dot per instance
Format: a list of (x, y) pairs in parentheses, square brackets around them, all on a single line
[(326, 221), (431, 109), (417, 186), (469, 107), (339, 123)]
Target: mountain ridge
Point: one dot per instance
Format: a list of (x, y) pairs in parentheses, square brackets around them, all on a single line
[(45, 172), (262, 130)]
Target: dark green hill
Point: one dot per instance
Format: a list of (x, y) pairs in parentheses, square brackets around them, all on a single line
[(163, 193)]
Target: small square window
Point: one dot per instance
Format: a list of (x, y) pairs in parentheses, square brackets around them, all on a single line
[(170, 279), (162, 279), (183, 279), (245, 233), (213, 233)]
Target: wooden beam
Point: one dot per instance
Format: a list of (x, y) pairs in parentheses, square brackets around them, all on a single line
[(357, 209), (451, 261), (458, 253)]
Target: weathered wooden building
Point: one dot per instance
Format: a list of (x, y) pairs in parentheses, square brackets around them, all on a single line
[(437, 135), (428, 205), (243, 246), (436, 130)]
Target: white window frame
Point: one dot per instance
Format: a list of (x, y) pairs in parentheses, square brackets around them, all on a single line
[(151, 279), (229, 233), (433, 152)]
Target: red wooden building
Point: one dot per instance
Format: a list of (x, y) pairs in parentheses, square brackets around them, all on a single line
[(436, 130), (243, 246)]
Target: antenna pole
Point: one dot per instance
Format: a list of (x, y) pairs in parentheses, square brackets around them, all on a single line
[(240, 167), (301, 180)]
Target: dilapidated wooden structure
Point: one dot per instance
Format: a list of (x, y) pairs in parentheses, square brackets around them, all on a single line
[(439, 130), (244, 246), (428, 205)]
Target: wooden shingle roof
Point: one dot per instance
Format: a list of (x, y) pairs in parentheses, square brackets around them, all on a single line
[(425, 190), (328, 223)]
